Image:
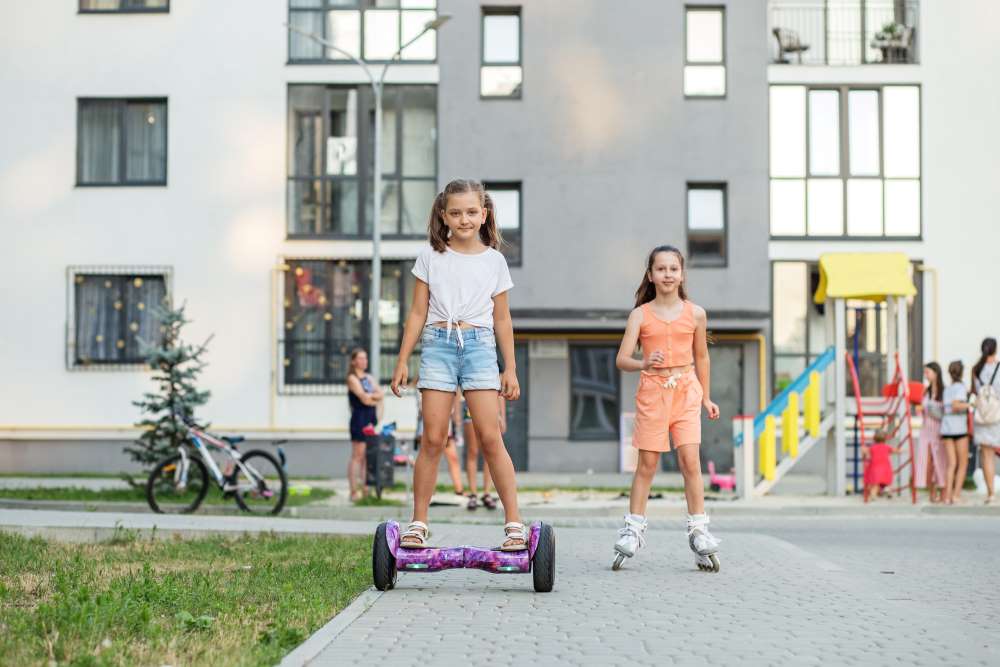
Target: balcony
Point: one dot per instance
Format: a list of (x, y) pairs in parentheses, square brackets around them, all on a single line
[(843, 32)]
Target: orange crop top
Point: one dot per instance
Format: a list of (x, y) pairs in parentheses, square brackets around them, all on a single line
[(675, 339)]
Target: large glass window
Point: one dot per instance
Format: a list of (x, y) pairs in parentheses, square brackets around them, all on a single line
[(705, 52), (372, 30), (329, 177), (855, 171), (114, 316), (121, 142), (123, 6), (507, 202), (326, 316), (706, 224), (594, 392), (500, 74)]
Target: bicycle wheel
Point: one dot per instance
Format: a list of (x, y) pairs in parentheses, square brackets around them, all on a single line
[(265, 489), (168, 494)]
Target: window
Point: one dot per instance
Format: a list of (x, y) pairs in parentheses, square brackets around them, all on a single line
[(113, 313), (593, 392), (372, 30), (706, 224), (121, 142), (331, 155), (326, 316), (123, 6), (845, 161), (507, 202), (705, 52), (500, 73)]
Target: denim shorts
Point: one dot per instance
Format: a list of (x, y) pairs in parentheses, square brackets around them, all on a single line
[(447, 363)]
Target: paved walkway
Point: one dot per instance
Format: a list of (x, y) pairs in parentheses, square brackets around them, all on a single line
[(908, 591)]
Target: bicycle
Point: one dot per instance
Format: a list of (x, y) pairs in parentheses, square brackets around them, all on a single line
[(256, 479)]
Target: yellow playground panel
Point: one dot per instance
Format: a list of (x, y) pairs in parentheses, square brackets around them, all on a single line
[(813, 407)]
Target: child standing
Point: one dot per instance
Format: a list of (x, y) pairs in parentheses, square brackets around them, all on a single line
[(955, 430), (931, 449), (986, 386), (460, 314), (878, 465), (673, 389)]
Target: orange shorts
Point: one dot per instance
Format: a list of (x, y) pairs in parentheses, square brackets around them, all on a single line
[(662, 409)]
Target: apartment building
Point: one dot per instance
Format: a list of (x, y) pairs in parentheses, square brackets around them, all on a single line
[(203, 153)]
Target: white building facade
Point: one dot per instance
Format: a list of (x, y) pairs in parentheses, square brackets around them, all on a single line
[(882, 138)]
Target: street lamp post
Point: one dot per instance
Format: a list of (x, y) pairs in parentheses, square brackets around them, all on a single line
[(377, 84)]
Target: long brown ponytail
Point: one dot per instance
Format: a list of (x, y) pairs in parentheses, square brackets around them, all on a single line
[(988, 349), (647, 290), (437, 230)]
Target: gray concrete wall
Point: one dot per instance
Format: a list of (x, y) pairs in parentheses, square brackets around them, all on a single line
[(604, 142)]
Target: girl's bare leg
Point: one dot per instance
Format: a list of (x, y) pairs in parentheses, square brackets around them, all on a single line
[(689, 461), (436, 407), (471, 455), (485, 409), (487, 478), (356, 469), (962, 456), (949, 449), (451, 455), (642, 481), (987, 463)]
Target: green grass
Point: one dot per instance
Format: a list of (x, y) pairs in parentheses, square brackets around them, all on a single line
[(79, 475), (77, 494), (372, 501), (213, 601)]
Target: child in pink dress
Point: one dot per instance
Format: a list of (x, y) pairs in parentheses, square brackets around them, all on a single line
[(878, 466)]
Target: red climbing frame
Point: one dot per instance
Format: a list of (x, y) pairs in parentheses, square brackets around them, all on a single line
[(894, 410)]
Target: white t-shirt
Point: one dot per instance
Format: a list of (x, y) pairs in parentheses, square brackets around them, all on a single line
[(462, 286), (955, 422)]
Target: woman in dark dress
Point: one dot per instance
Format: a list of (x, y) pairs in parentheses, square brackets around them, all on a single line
[(364, 395)]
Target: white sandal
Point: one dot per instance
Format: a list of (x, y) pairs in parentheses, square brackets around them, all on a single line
[(514, 531), (418, 532)]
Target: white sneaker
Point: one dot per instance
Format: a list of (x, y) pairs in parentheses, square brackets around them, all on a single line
[(632, 536)]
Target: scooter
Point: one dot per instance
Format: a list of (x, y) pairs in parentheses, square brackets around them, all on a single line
[(388, 557)]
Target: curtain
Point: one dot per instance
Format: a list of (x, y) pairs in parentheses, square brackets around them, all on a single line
[(116, 315), (146, 140), (100, 147)]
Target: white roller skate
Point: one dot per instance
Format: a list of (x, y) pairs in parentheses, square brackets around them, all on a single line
[(631, 538), (704, 545)]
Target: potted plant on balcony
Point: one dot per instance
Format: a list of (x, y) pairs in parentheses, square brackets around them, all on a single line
[(894, 41)]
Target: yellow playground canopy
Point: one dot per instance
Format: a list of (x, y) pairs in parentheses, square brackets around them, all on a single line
[(872, 276)]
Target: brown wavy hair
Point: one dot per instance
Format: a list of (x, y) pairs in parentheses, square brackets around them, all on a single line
[(354, 355), (647, 290), (437, 230)]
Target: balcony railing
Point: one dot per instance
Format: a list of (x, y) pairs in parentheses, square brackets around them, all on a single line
[(843, 32)]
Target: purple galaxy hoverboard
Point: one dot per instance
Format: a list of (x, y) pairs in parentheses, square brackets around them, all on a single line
[(539, 558)]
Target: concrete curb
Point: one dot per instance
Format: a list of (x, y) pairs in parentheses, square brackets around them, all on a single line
[(319, 640)]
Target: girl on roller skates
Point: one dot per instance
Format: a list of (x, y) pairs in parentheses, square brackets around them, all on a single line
[(673, 390), (460, 315)]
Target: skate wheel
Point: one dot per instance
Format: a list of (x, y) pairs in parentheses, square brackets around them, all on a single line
[(715, 563), (619, 559)]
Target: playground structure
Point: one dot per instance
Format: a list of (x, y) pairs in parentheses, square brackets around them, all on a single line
[(813, 408)]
